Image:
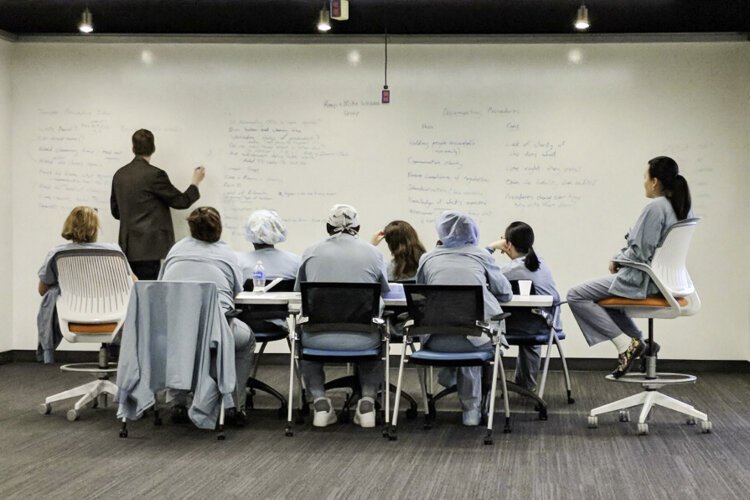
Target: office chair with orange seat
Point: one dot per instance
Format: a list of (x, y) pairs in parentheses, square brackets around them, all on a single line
[(678, 297)]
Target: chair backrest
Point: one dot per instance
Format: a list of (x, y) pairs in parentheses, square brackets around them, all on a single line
[(669, 263), (340, 306), (94, 289), (445, 309), (281, 286), (526, 320)]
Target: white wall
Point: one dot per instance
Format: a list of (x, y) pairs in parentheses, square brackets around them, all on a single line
[(554, 134), (6, 220)]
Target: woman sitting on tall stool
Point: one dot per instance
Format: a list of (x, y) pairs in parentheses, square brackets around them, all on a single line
[(81, 229), (525, 264), (670, 203)]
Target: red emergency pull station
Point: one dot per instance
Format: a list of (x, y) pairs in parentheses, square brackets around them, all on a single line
[(385, 95)]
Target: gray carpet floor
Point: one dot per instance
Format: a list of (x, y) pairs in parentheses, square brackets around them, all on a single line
[(47, 456)]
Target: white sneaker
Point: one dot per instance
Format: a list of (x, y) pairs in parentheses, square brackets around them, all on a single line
[(365, 414), (323, 413), (471, 418)]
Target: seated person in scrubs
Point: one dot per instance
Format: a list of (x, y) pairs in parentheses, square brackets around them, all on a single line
[(343, 257), (202, 256), (405, 247), (525, 264), (81, 229), (265, 229), (670, 203), (457, 260)]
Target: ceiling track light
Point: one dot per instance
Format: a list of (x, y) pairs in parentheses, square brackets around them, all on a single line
[(87, 22), (582, 18), (324, 19)]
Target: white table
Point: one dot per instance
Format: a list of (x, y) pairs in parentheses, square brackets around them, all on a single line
[(293, 299)]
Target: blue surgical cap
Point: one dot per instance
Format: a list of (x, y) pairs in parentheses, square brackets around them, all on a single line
[(456, 229)]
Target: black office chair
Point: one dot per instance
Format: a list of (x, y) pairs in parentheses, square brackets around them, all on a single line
[(451, 310), (264, 321), (527, 319), (335, 308)]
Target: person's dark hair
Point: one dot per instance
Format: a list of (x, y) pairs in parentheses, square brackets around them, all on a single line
[(333, 230), (143, 143), (674, 186), (521, 236), (405, 248), (205, 224)]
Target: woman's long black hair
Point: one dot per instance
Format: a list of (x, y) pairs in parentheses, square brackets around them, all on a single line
[(674, 186), (521, 236)]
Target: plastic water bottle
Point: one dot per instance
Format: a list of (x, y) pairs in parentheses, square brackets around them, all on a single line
[(259, 276)]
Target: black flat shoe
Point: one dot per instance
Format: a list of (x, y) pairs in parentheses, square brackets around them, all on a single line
[(179, 414)]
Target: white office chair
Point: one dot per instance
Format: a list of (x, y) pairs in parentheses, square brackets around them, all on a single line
[(94, 291), (678, 298)]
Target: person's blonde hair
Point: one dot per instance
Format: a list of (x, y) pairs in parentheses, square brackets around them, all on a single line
[(82, 225)]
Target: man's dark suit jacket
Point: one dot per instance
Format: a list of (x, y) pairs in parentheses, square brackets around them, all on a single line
[(141, 197)]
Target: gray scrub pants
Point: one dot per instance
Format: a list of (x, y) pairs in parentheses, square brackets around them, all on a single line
[(597, 323), (371, 372), (469, 378), (244, 350)]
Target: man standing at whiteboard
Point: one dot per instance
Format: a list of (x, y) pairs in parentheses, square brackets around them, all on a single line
[(141, 197)]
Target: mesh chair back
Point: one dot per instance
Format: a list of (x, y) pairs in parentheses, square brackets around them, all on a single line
[(258, 317), (94, 285), (524, 320), (670, 259), (340, 306), (444, 309)]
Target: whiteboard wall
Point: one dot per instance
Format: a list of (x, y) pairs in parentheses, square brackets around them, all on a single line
[(6, 289), (556, 135)]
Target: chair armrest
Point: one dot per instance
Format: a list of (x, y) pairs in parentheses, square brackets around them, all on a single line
[(501, 316), (301, 320), (650, 273), (636, 265)]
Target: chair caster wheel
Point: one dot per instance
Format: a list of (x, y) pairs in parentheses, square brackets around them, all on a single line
[(706, 426), (392, 437), (488, 441), (624, 416), (690, 421), (44, 409), (642, 429), (385, 433), (593, 422), (288, 432), (571, 400), (543, 414), (411, 413), (124, 433), (72, 415), (221, 437), (507, 429)]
